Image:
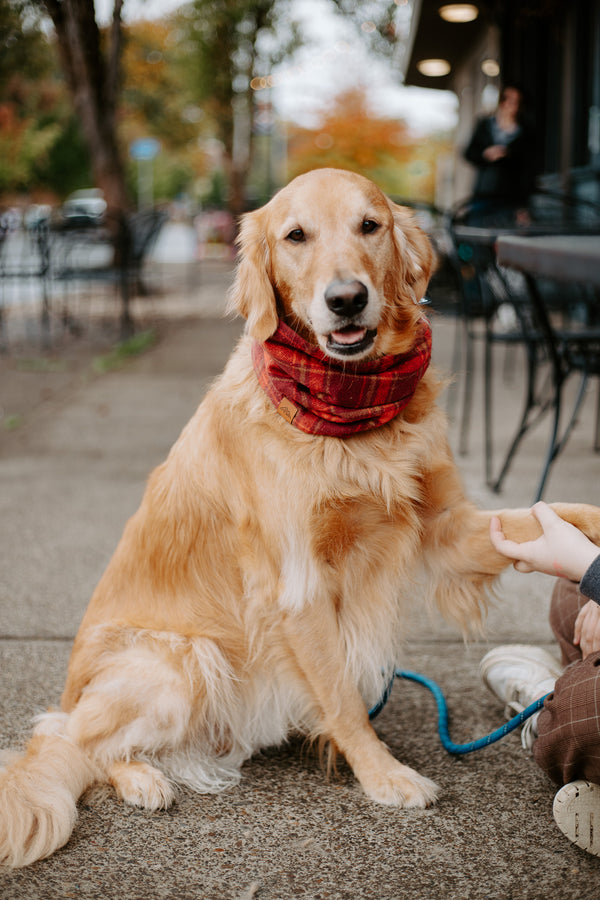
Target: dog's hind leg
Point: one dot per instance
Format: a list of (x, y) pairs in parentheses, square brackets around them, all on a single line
[(141, 784), (138, 704), (138, 707), (158, 710)]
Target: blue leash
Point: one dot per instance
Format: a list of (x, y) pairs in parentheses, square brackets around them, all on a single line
[(447, 743)]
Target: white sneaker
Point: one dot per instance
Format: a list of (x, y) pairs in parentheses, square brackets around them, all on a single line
[(577, 814), (518, 674)]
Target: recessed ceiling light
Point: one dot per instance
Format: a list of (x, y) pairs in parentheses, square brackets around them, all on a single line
[(434, 68), (490, 68), (459, 12)]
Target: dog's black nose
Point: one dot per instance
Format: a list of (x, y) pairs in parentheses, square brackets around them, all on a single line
[(346, 298)]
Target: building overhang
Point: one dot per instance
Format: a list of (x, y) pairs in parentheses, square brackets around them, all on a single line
[(434, 38)]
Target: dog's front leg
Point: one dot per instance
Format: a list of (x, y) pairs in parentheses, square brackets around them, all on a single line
[(462, 561), (461, 534), (315, 641), (522, 525)]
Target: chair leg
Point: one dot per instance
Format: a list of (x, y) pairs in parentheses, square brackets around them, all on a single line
[(487, 405), (468, 392), (551, 452), (455, 367), (573, 420), (556, 445), (525, 422), (45, 322)]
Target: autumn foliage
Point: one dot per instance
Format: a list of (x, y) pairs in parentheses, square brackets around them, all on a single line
[(350, 136), (164, 91)]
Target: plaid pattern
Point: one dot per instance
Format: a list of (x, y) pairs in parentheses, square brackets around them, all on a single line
[(568, 743), (321, 395)]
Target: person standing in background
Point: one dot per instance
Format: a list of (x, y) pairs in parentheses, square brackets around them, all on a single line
[(503, 151)]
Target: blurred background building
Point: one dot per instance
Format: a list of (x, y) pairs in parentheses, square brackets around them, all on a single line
[(236, 98), (549, 47)]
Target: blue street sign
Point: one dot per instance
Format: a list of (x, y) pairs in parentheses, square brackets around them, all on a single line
[(144, 148)]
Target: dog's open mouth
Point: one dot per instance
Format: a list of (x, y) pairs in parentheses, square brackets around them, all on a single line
[(351, 339)]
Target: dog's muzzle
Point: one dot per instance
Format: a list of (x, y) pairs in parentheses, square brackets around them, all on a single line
[(347, 299)]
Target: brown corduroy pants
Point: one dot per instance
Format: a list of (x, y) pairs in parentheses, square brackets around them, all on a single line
[(568, 743)]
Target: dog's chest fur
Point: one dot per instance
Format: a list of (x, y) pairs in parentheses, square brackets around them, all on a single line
[(341, 504), (321, 520)]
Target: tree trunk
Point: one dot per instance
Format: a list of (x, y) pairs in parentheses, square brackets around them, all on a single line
[(238, 150), (93, 81)]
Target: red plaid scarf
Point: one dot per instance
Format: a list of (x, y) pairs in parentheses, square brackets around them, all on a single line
[(321, 395)]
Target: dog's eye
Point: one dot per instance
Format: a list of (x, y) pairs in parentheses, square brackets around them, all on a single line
[(369, 226), (296, 236)]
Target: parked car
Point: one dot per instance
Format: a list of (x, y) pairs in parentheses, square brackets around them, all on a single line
[(86, 204)]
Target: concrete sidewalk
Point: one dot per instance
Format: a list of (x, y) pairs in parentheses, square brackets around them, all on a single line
[(70, 475)]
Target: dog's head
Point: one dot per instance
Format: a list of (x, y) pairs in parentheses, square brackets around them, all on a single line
[(340, 263)]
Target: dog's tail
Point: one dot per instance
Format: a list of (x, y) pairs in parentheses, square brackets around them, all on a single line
[(38, 797)]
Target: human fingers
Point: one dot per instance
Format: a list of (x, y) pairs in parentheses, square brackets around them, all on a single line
[(545, 515), (589, 628), (510, 549), (594, 636), (522, 566), (507, 548), (496, 533)]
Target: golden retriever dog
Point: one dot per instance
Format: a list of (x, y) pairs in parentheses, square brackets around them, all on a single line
[(261, 587)]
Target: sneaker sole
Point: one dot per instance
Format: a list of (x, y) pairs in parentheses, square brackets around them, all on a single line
[(577, 813)]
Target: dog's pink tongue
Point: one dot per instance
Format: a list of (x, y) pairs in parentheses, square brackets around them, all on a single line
[(349, 335)]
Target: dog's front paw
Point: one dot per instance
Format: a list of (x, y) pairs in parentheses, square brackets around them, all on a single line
[(399, 785)]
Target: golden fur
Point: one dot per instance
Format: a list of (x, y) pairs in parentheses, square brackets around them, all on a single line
[(260, 587)]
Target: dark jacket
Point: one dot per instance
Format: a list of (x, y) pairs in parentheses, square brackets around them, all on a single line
[(590, 583), (509, 180)]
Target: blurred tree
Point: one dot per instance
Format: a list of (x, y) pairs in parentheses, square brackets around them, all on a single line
[(156, 101), (349, 136), (23, 46), (153, 98), (91, 64), (226, 44), (382, 23), (66, 166), (23, 143), (28, 94), (42, 148)]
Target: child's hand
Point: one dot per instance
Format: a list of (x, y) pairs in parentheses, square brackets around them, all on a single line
[(587, 628), (561, 550)]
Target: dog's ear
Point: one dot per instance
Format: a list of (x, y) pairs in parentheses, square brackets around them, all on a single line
[(414, 250), (252, 293)]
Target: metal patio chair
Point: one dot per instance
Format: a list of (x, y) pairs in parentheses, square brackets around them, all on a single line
[(496, 310), (562, 322), (85, 253)]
